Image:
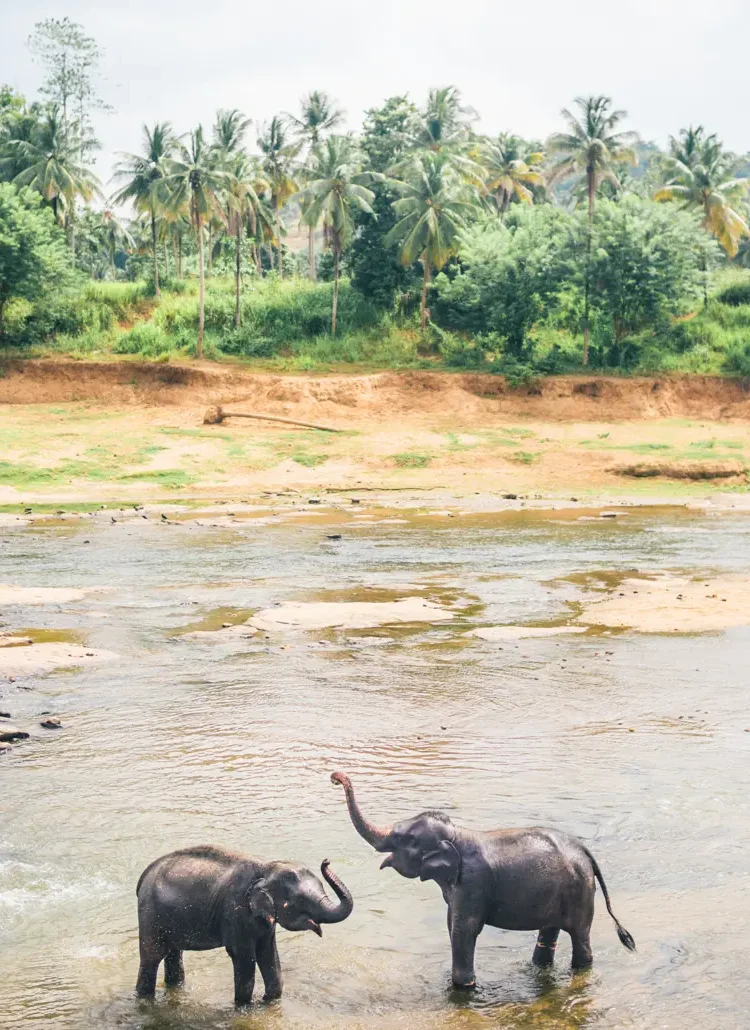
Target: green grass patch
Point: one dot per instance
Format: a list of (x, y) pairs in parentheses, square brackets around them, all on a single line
[(524, 457), (310, 461), (518, 433), (410, 460), (173, 479)]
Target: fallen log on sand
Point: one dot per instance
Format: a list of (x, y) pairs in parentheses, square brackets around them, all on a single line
[(217, 415)]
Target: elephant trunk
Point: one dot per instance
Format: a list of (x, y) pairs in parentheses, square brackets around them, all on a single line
[(330, 912), (374, 835)]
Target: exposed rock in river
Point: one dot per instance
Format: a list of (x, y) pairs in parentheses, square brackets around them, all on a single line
[(517, 632), (348, 614), (36, 658), (9, 732), (10, 594)]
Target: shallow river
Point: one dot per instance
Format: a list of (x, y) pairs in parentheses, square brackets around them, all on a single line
[(635, 742)]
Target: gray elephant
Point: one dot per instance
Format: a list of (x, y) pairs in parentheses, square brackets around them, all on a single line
[(525, 879), (205, 897)]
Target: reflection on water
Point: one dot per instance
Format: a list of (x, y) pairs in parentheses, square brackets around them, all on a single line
[(636, 743)]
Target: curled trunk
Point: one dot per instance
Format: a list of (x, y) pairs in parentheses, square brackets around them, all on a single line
[(374, 835), (331, 912)]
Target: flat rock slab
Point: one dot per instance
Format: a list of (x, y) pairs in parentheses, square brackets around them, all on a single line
[(10, 594), (9, 733), (8, 640), (674, 604), (519, 632), (348, 614), (46, 657), (225, 633)]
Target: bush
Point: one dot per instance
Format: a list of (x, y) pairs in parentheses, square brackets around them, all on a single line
[(146, 339), (737, 360), (735, 295)]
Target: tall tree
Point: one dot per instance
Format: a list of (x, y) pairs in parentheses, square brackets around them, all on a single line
[(195, 184), (591, 147), (318, 116), (699, 176), (339, 185), (243, 205), (71, 59), (388, 134), (434, 207), (144, 178), (510, 169), (279, 153), (33, 256), (50, 164), (446, 120)]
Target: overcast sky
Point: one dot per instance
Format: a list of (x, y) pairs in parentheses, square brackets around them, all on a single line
[(668, 63)]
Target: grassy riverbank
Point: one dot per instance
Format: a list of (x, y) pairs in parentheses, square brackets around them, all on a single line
[(285, 329)]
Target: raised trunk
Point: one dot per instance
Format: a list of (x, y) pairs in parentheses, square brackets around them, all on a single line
[(374, 835), (425, 284), (311, 251), (329, 912), (278, 243), (335, 308), (237, 275), (201, 289), (156, 256)]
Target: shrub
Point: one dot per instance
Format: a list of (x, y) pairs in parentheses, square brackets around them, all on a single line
[(737, 360), (735, 294), (146, 339)]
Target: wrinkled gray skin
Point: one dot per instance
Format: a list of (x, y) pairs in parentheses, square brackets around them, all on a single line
[(205, 897), (526, 879)]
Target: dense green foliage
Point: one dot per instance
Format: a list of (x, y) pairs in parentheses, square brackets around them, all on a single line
[(521, 255)]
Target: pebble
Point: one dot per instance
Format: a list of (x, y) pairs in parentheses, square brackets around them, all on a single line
[(510, 497), (4, 715), (51, 723)]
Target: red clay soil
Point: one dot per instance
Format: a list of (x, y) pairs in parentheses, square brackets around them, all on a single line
[(461, 396)]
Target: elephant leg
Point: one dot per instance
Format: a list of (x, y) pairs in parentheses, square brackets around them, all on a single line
[(464, 933), (546, 942), (244, 975), (582, 955), (174, 971), (270, 968), (151, 956)]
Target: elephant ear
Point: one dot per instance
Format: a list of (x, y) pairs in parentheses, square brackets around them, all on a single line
[(260, 903), (442, 865)]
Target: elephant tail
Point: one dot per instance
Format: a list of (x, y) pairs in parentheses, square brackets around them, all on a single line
[(626, 939)]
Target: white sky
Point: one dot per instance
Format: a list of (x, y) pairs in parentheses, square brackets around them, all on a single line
[(667, 62)]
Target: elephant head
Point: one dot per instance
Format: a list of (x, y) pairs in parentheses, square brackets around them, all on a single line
[(295, 898), (425, 846)]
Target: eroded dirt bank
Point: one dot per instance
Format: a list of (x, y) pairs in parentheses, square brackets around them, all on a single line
[(350, 396)]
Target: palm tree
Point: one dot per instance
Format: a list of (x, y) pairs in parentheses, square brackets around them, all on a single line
[(229, 131), (434, 208), (318, 115), (509, 170), (591, 147), (195, 184), (279, 153), (445, 119), (144, 178), (244, 186), (49, 162), (338, 186), (114, 237), (699, 177)]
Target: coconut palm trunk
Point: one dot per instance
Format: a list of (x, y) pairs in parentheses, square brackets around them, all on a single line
[(237, 275), (278, 242), (335, 308), (179, 255), (311, 251), (591, 190), (425, 284), (156, 254), (201, 287), (166, 259)]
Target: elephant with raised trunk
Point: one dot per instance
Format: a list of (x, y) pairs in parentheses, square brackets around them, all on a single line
[(525, 879), (205, 897)]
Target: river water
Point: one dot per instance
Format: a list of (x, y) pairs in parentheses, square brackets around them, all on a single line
[(635, 742)]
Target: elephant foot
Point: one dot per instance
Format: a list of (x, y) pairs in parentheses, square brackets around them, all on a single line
[(466, 985)]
